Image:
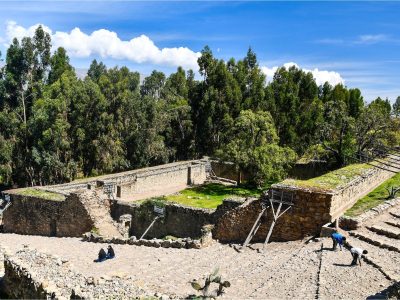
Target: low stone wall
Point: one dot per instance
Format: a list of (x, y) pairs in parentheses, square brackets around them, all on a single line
[(178, 221), (204, 240), (345, 197), (353, 223)]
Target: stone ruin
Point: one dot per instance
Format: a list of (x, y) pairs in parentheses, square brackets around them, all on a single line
[(111, 218), (29, 274)]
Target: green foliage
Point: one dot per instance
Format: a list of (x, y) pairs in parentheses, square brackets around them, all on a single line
[(212, 278), (253, 147), (54, 126), (374, 198), (396, 107), (94, 230)]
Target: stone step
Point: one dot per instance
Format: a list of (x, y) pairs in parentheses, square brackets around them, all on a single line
[(395, 214), (393, 222), (377, 240), (385, 260), (387, 230)]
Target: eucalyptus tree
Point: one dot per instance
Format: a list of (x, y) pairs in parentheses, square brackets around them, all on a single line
[(254, 147)]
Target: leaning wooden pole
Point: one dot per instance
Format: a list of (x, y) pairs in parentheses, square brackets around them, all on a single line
[(148, 228)]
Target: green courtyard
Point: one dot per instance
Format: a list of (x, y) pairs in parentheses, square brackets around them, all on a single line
[(209, 195)]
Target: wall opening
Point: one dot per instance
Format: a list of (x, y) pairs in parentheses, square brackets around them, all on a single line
[(119, 191), (53, 228), (189, 180)]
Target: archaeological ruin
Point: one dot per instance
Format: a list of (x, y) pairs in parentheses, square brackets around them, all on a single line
[(110, 210)]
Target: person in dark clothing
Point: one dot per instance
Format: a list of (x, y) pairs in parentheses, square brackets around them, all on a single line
[(337, 239), (357, 253), (102, 256), (110, 252)]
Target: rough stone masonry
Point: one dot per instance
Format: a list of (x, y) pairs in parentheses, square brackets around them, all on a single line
[(311, 210)]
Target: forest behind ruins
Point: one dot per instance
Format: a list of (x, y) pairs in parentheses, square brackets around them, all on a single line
[(55, 127)]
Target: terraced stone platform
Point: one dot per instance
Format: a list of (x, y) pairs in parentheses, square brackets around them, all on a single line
[(290, 270), (381, 237)]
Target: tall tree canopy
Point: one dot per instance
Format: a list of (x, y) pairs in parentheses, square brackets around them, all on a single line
[(55, 126)]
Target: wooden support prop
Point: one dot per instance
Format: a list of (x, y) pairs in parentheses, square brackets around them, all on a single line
[(276, 214), (148, 228), (254, 229)]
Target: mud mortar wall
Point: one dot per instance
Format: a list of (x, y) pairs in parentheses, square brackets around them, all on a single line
[(37, 216), (157, 180), (30, 215), (179, 221), (313, 208), (302, 220), (346, 197), (150, 182)]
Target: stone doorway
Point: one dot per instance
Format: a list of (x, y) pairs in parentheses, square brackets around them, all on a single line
[(53, 228)]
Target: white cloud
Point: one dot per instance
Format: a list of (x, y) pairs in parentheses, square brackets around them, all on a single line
[(107, 44), (371, 38), (320, 76)]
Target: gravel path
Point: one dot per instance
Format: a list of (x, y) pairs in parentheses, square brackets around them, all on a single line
[(283, 271)]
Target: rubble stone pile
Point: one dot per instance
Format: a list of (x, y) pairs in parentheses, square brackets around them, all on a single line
[(32, 274)]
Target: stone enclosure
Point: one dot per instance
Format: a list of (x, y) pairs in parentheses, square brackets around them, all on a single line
[(144, 183), (86, 207)]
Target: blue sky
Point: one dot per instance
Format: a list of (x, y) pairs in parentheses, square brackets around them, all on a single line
[(358, 40)]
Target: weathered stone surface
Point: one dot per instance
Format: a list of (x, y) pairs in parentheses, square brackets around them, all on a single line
[(146, 182), (178, 220), (30, 274), (78, 213), (204, 240), (311, 210)]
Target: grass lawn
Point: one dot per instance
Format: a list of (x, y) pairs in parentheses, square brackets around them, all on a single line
[(374, 198), (331, 180), (210, 195), (41, 194)]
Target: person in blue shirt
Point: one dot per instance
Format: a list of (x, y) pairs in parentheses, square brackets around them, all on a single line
[(337, 238)]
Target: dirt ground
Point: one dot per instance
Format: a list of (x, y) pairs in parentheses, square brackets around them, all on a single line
[(283, 271)]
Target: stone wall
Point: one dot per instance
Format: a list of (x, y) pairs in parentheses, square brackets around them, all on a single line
[(202, 241), (178, 221), (144, 183), (345, 197), (31, 215), (306, 218), (312, 209), (38, 216), (229, 171)]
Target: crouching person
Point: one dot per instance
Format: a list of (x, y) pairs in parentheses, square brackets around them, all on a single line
[(338, 239), (357, 254)]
